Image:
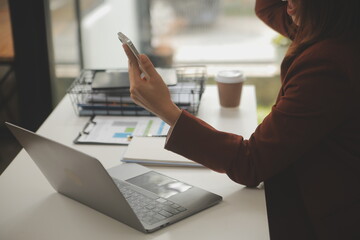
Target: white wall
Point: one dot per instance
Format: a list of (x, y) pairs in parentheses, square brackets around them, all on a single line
[(101, 47)]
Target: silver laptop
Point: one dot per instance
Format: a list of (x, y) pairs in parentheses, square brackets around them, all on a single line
[(132, 194)]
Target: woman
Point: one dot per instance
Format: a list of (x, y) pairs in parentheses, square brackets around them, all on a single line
[(307, 150)]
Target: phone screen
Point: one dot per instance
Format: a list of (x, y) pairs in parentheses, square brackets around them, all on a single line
[(125, 40)]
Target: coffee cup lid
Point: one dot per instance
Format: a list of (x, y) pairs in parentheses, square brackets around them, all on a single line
[(230, 76)]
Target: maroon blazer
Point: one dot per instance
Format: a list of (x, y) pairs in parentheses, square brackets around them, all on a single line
[(307, 150)]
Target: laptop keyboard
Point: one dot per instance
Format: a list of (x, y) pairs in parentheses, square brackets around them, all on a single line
[(148, 209)]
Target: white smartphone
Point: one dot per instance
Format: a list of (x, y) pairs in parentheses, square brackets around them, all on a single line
[(169, 74), (125, 40)]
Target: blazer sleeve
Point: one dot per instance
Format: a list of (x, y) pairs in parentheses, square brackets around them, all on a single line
[(313, 103), (274, 14)]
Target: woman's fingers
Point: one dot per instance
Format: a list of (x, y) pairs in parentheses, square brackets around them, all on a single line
[(145, 63), (133, 67), (148, 67), (129, 54), (133, 62), (150, 93)]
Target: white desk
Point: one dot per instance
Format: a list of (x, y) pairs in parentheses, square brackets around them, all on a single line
[(31, 209)]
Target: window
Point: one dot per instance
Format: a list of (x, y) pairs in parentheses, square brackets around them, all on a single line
[(215, 32), (219, 33)]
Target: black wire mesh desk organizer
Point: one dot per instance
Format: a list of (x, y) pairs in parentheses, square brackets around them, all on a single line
[(87, 101)]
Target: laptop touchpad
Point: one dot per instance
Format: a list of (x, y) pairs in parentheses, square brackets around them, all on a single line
[(159, 184)]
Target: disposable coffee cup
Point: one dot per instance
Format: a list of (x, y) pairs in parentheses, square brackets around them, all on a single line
[(230, 84)]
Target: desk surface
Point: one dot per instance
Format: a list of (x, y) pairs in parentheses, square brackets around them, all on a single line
[(31, 209)]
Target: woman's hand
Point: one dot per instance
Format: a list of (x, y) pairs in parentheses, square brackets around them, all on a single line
[(152, 93)]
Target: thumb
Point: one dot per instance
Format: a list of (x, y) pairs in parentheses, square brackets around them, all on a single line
[(147, 65)]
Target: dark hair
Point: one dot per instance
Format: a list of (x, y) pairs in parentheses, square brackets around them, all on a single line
[(321, 19)]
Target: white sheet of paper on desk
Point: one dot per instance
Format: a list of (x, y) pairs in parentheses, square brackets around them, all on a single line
[(151, 151), (118, 129)]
